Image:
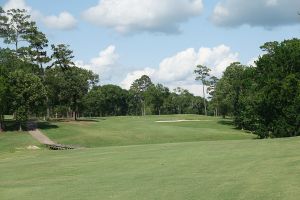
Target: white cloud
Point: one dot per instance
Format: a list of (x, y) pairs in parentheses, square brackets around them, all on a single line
[(265, 13), (104, 64), (194, 88), (132, 76), (272, 2), (252, 61), (17, 4), (64, 21), (143, 15), (178, 70), (182, 65)]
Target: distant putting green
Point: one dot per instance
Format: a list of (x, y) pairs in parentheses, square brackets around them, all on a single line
[(120, 131), (210, 170)]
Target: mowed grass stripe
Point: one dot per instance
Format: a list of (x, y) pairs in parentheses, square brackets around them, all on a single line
[(245, 169)]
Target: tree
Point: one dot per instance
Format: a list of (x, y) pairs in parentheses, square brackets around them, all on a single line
[(138, 89), (37, 43), (27, 95), (198, 105), (212, 83), (3, 23), (16, 27), (155, 96), (202, 73), (170, 104), (69, 87), (184, 101), (62, 57), (277, 80), (223, 97), (229, 90), (107, 100), (3, 99)]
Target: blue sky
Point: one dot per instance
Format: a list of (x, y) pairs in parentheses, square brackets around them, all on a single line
[(123, 39)]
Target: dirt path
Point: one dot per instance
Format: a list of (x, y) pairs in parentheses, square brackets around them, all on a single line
[(43, 139)]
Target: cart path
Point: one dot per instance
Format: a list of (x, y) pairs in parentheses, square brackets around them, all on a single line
[(43, 139)]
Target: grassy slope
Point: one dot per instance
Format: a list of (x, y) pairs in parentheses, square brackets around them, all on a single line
[(15, 141), (225, 170), (116, 131)]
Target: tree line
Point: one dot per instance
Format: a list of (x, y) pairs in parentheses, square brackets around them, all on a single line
[(264, 99), (143, 97), (35, 84), (31, 82)]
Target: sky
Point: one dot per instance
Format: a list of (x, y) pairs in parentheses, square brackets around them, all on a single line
[(121, 40)]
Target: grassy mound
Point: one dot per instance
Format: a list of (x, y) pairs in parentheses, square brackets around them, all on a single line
[(119, 131), (15, 141)]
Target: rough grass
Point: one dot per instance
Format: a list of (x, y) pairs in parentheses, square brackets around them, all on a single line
[(210, 170), (119, 131), (15, 141)]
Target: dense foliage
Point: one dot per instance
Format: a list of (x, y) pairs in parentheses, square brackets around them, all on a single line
[(266, 98), (33, 84)]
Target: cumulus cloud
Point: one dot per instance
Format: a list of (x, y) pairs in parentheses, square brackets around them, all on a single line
[(132, 76), (64, 21), (180, 66), (178, 70), (17, 4), (143, 15), (265, 13), (104, 64)]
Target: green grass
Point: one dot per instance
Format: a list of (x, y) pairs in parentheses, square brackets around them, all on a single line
[(135, 158), (119, 131), (210, 170), (15, 141), (8, 117)]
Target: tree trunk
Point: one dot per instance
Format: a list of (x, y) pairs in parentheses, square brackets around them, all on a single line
[(1, 123), (204, 101), (20, 127), (48, 110), (142, 107), (75, 115), (17, 46)]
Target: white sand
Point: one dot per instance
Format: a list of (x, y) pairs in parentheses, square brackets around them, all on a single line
[(32, 147)]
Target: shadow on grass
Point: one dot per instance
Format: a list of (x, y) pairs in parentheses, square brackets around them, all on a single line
[(46, 125), (228, 123), (90, 120), (78, 120), (11, 125)]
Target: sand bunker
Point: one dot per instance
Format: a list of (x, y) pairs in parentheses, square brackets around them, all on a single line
[(32, 147), (182, 120)]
